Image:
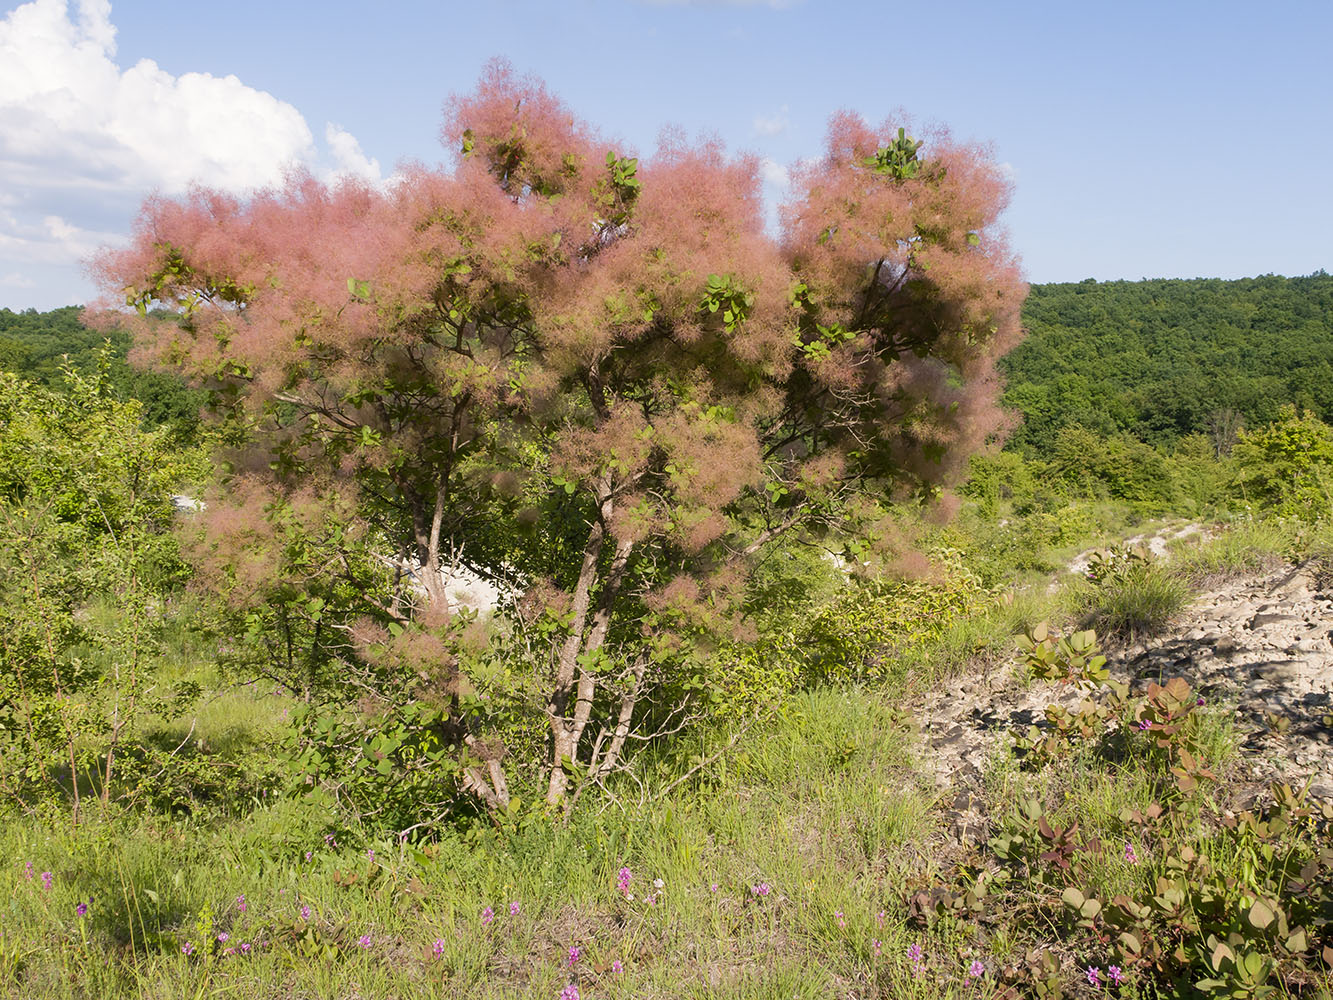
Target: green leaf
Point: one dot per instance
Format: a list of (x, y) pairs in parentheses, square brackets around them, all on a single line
[(1260, 915)]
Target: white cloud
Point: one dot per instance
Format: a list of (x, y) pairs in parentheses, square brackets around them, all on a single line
[(774, 124), (82, 140), (774, 173), (16, 280), (348, 156)]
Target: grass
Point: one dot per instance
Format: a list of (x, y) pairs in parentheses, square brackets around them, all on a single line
[(1141, 601), (823, 805)]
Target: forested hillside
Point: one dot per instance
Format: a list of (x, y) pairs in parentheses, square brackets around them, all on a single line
[(1166, 358), (37, 345)]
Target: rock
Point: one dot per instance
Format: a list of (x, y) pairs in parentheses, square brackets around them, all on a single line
[(1262, 620)]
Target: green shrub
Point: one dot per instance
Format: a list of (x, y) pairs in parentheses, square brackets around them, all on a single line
[(864, 629), (1287, 467)]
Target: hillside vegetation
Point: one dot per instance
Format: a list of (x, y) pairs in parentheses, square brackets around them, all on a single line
[(976, 781), (1161, 360)]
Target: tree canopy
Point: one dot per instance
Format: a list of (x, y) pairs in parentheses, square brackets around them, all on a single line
[(1167, 358), (594, 379)]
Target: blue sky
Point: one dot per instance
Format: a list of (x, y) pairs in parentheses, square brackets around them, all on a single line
[(1145, 139)]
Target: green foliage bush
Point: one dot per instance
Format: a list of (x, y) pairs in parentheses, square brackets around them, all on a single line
[(861, 633), (86, 560), (1286, 468)]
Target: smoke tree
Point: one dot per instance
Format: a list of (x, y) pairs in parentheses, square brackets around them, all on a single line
[(597, 381)]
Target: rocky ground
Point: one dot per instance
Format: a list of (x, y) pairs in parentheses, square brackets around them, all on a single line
[(1258, 646)]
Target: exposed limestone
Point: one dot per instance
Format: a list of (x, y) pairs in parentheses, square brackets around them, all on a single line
[(1258, 646)]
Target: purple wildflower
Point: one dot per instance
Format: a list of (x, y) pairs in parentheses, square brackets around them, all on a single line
[(1145, 724), (1116, 975), (1199, 702), (1130, 854), (842, 921), (222, 938), (487, 915), (976, 970), (617, 967), (27, 871), (570, 992), (363, 941), (305, 913), (514, 908), (370, 854), (762, 889), (622, 881), (187, 948), (240, 903), (1094, 975), (437, 949), (81, 909), (47, 879), (573, 955), (877, 945), (245, 947), (914, 953)]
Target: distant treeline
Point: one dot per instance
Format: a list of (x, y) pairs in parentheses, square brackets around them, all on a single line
[(1150, 360), (37, 345), (1158, 360)]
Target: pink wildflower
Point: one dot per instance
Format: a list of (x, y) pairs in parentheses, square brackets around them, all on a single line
[(976, 970), (514, 908), (1094, 975), (437, 949), (364, 941), (1116, 975), (487, 915)]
